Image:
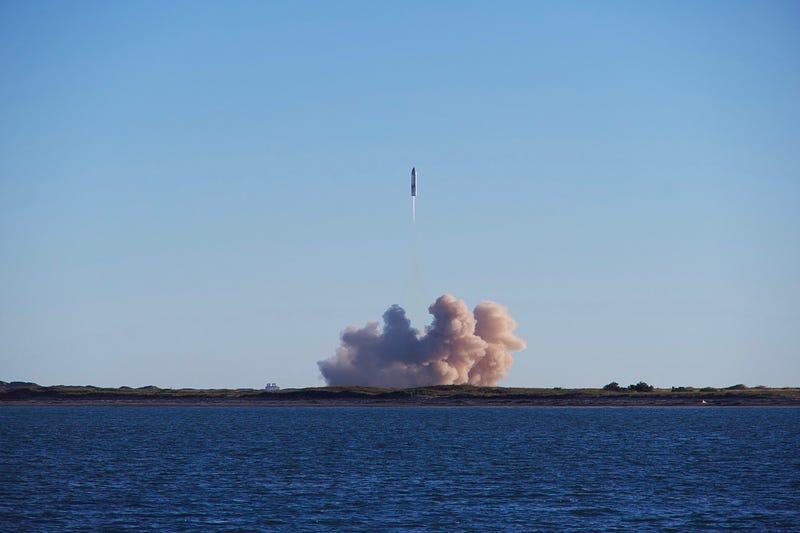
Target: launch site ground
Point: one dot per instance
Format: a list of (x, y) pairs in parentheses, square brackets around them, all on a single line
[(17, 393)]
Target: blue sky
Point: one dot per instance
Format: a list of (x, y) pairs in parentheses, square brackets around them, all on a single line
[(204, 194)]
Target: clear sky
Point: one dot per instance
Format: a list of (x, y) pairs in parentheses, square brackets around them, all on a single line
[(204, 194)]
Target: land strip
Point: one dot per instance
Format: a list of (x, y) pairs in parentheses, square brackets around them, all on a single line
[(444, 395)]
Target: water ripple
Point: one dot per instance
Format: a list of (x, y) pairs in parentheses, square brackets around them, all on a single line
[(368, 469)]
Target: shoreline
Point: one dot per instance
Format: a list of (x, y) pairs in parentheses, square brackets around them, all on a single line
[(332, 405), (436, 396), (394, 399)]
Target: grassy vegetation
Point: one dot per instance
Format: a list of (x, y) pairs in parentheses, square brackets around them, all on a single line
[(441, 394)]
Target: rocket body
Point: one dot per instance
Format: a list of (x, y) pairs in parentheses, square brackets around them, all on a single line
[(414, 181)]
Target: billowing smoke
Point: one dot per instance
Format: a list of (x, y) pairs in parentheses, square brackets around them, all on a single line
[(458, 347)]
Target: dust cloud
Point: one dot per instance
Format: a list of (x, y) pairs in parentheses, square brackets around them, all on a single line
[(459, 347)]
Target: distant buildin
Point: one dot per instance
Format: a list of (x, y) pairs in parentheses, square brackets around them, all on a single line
[(272, 386)]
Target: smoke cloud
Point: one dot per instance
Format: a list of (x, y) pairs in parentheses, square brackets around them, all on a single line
[(458, 347)]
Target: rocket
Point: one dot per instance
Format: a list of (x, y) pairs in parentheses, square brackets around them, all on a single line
[(414, 194)]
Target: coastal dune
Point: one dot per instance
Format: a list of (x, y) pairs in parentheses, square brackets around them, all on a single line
[(19, 393)]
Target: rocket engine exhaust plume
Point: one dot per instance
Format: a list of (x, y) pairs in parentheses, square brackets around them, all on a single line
[(459, 347), (414, 194)]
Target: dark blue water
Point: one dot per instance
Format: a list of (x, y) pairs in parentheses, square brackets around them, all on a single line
[(377, 469)]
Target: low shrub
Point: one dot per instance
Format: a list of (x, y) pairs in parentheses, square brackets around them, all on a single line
[(738, 386), (641, 387)]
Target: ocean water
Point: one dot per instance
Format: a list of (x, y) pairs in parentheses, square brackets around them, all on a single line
[(398, 469)]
